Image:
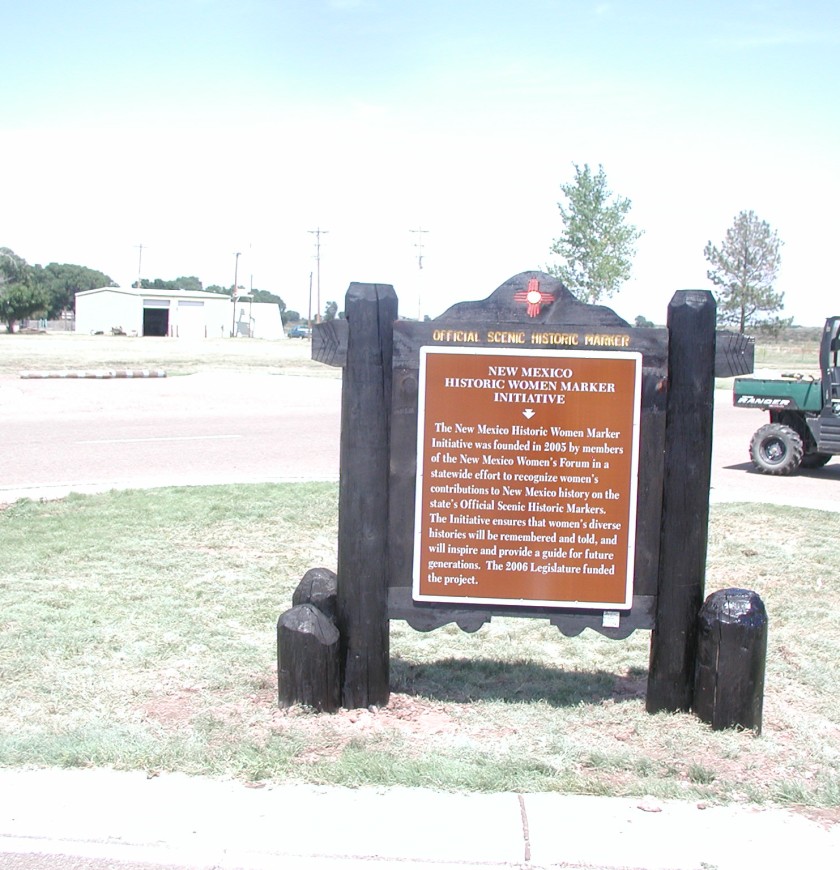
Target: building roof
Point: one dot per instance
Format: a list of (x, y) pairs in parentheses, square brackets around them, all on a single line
[(155, 294)]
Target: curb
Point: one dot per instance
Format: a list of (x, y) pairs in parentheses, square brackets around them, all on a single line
[(98, 374)]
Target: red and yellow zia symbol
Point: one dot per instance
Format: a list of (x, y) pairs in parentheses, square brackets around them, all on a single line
[(533, 297)]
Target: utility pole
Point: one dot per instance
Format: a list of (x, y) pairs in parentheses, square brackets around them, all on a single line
[(309, 319), (251, 267), (419, 245), (139, 265), (233, 296), (318, 233)]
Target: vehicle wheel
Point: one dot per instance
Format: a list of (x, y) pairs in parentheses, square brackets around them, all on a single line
[(815, 460), (776, 449)]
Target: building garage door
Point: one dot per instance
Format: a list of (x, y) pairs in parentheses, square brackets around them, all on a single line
[(155, 317), (190, 322)]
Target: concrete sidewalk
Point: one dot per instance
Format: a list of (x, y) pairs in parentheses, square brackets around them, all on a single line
[(99, 819)]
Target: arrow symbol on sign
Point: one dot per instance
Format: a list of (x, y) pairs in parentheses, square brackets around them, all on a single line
[(528, 413)]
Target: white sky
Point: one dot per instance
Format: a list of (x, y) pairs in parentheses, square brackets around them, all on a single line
[(199, 128)]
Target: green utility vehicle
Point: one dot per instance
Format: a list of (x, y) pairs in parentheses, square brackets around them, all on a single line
[(804, 427)]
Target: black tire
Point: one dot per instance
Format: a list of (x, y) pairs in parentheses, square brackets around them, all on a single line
[(815, 460), (776, 449)]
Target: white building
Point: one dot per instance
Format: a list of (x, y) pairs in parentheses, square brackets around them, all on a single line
[(175, 313)]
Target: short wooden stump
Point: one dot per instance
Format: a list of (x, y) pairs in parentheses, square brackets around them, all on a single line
[(308, 667), (731, 658)]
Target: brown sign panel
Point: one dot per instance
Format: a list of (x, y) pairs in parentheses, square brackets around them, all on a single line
[(527, 466)]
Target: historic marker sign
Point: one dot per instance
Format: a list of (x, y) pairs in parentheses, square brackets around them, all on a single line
[(527, 466), (583, 386)]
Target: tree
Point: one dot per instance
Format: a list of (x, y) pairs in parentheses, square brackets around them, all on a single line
[(158, 284), (265, 296), (62, 281), (745, 267), (189, 283), (19, 297), (642, 321), (257, 296), (597, 244), (330, 310)]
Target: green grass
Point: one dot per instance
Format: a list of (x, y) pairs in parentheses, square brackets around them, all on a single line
[(137, 630)]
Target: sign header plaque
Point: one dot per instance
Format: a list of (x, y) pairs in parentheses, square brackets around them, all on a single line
[(527, 467)]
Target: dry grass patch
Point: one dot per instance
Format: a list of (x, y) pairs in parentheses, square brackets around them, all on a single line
[(178, 356), (137, 630)]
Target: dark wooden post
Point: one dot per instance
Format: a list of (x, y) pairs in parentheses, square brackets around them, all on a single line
[(318, 586), (685, 499), (731, 657), (362, 615), (308, 659)]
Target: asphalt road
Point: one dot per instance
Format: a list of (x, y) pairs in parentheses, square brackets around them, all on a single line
[(92, 435), (735, 479)]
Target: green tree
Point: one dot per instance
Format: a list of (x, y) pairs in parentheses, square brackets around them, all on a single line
[(265, 296), (19, 297), (158, 284), (62, 281), (745, 268), (597, 244), (642, 321), (189, 283), (330, 310)]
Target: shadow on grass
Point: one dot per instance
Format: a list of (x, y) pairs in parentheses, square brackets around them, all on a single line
[(467, 680)]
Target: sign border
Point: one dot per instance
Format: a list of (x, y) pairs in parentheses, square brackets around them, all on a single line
[(627, 603)]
